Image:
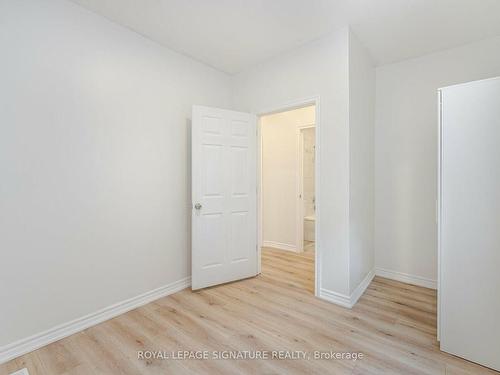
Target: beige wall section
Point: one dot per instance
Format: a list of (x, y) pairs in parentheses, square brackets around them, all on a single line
[(280, 175)]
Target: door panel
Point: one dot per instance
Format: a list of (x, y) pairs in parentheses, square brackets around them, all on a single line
[(224, 184), (213, 170)]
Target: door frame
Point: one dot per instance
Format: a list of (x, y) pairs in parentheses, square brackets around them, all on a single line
[(314, 100), (300, 182)]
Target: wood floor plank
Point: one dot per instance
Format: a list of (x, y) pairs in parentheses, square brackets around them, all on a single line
[(393, 325)]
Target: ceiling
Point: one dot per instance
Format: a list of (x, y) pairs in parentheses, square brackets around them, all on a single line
[(232, 35)]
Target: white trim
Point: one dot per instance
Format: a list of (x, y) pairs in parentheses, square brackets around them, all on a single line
[(360, 289), (260, 239), (23, 346), (299, 193), (288, 106), (280, 245), (439, 209), (406, 278), (317, 172), (336, 298), (300, 183), (307, 126), (315, 100), (345, 300), (23, 371)]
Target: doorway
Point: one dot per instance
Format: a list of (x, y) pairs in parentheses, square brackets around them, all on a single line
[(287, 199), (226, 219)]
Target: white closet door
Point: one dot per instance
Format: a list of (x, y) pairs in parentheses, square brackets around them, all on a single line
[(224, 193), (470, 222)]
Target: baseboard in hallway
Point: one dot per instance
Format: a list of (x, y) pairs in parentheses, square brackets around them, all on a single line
[(406, 278), (279, 246), (309, 246), (21, 372)]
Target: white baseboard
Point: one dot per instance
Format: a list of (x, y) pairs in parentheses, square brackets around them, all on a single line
[(23, 346), (360, 289), (345, 300), (24, 371), (406, 278), (336, 298), (279, 245)]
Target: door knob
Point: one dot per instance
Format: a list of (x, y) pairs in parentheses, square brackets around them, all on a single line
[(197, 206)]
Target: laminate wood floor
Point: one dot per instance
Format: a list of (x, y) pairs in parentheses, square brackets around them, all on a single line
[(393, 325)]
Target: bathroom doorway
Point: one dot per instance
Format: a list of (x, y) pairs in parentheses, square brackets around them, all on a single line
[(287, 196)]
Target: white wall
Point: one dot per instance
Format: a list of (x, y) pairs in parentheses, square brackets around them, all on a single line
[(94, 192), (361, 151), (316, 69), (405, 152), (280, 175)]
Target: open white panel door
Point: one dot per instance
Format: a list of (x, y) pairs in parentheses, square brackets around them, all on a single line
[(224, 193)]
